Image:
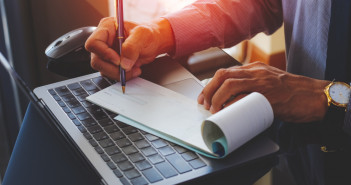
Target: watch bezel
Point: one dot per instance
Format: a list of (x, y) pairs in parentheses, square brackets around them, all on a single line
[(330, 99)]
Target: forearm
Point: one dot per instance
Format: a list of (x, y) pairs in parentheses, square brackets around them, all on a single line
[(222, 23)]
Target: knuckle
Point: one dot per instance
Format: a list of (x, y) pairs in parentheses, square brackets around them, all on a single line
[(221, 74)]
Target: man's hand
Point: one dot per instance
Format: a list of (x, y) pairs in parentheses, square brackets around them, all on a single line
[(294, 98), (143, 43)]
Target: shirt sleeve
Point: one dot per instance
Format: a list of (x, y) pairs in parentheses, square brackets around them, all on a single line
[(222, 23)]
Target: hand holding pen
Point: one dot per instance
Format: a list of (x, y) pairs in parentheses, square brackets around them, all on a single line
[(142, 44), (120, 39)]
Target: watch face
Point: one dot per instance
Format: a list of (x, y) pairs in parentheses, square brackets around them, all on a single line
[(340, 93)]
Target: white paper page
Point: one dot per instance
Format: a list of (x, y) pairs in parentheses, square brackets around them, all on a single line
[(243, 120), (156, 107)]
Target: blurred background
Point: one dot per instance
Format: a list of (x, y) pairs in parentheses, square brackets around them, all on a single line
[(27, 27)]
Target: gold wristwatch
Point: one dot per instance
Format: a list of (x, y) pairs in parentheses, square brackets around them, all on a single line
[(338, 94)]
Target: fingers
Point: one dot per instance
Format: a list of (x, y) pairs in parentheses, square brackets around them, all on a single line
[(102, 39), (231, 88), (111, 70), (138, 42), (217, 81)]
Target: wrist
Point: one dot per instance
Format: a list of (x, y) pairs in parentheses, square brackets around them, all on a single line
[(165, 36)]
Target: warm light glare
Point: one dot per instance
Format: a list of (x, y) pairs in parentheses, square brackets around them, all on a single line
[(147, 10)]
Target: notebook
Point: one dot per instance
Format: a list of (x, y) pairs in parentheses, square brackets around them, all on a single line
[(122, 154)]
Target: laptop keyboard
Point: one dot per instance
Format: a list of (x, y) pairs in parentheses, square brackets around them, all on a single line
[(135, 156)]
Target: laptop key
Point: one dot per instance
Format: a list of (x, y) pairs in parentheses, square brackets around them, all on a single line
[(123, 142), (135, 137), (129, 130), (197, 163), (74, 86), (66, 109), (142, 144), (82, 129), (72, 104), (188, 156), (93, 143), (120, 124), (105, 122), (63, 90), (87, 104), (99, 150), (71, 115), (178, 163), (124, 181), (180, 149), (61, 103), (129, 150), (99, 115), (136, 157), (139, 181), (88, 85), (166, 169), (111, 165), (143, 165), (94, 129), (111, 129), (112, 150), (151, 137), (82, 97), (79, 91), (52, 92), (118, 173), (106, 143), (120, 157), (83, 116), (167, 150), (148, 151), (56, 97), (105, 157), (131, 174), (159, 143), (87, 136), (78, 110), (125, 165), (154, 159), (117, 135), (89, 122), (100, 136), (101, 82), (68, 98), (76, 122), (152, 175)]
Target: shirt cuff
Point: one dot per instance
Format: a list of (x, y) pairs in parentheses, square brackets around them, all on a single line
[(191, 31)]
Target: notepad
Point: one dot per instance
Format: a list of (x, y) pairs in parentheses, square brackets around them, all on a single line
[(175, 117)]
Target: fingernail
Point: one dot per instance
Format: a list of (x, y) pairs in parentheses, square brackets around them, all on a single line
[(200, 99), (206, 105), (212, 110)]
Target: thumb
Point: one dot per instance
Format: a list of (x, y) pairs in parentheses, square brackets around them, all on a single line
[(130, 54)]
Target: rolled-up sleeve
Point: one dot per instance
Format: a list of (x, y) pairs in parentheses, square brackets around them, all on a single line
[(222, 23)]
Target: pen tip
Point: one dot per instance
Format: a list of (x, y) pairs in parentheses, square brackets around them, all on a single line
[(124, 89)]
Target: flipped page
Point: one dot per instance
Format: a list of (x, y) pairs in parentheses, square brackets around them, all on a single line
[(176, 118)]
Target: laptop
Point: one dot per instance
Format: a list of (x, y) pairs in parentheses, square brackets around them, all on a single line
[(119, 153)]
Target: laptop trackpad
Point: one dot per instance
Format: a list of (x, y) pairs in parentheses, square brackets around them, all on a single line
[(188, 87)]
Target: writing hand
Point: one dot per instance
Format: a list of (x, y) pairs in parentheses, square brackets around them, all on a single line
[(143, 43)]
